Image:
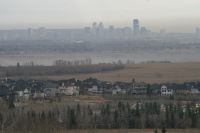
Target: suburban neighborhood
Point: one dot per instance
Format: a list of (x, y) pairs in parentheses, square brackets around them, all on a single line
[(25, 90)]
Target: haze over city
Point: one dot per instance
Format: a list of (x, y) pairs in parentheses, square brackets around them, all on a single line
[(173, 15), (99, 66)]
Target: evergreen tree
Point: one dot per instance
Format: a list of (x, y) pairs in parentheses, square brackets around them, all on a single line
[(149, 91), (18, 65), (137, 112), (90, 112), (11, 101), (167, 116), (72, 119), (131, 119), (116, 115), (1, 118), (194, 119), (164, 130), (42, 117), (107, 110), (78, 109)]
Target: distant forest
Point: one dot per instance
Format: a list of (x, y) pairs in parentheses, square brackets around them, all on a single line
[(60, 68)]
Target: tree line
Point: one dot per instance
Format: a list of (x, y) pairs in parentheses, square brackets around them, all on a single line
[(105, 116)]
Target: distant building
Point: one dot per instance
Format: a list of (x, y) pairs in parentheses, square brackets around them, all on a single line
[(126, 31), (95, 89), (162, 31), (138, 88), (69, 91), (87, 30), (4, 91), (197, 31), (194, 91), (101, 26), (184, 91), (26, 94), (51, 90), (94, 27), (30, 33), (136, 26), (38, 95), (116, 90), (111, 29), (143, 30), (165, 91), (22, 95)]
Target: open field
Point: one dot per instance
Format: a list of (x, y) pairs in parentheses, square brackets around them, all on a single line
[(28, 71), (151, 73), (83, 100), (128, 131), (137, 131)]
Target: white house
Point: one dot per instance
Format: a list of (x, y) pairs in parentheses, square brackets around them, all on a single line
[(51, 90), (194, 91), (26, 94), (38, 95), (22, 95), (69, 91), (95, 89), (165, 91), (118, 90), (139, 88)]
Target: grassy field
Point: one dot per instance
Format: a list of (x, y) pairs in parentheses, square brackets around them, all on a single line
[(151, 73), (28, 71), (138, 131), (125, 131)]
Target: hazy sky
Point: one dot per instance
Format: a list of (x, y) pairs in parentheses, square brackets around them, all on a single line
[(174, 15)]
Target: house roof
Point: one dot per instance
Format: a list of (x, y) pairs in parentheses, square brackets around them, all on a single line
[(51, 85), (4, 91)]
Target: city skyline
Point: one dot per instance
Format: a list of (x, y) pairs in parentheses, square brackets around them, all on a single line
[(141, 26), (153, 25), (173, 15)]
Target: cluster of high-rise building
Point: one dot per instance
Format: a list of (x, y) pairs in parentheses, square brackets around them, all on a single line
[(95, 32), (98, 28)]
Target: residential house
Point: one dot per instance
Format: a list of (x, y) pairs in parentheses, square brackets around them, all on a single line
[(22, 95), (165, 91), (95, 89), (118, 90), (139, 88), (68, 90), (37, 89), (184, 91), (4, 91), (51, 89), (26, 94), (38, 95), (194, 91)]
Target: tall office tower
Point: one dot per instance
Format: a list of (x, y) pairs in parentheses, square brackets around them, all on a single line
[(29, 33), (136, 26), (101, 26), (94, 26)]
